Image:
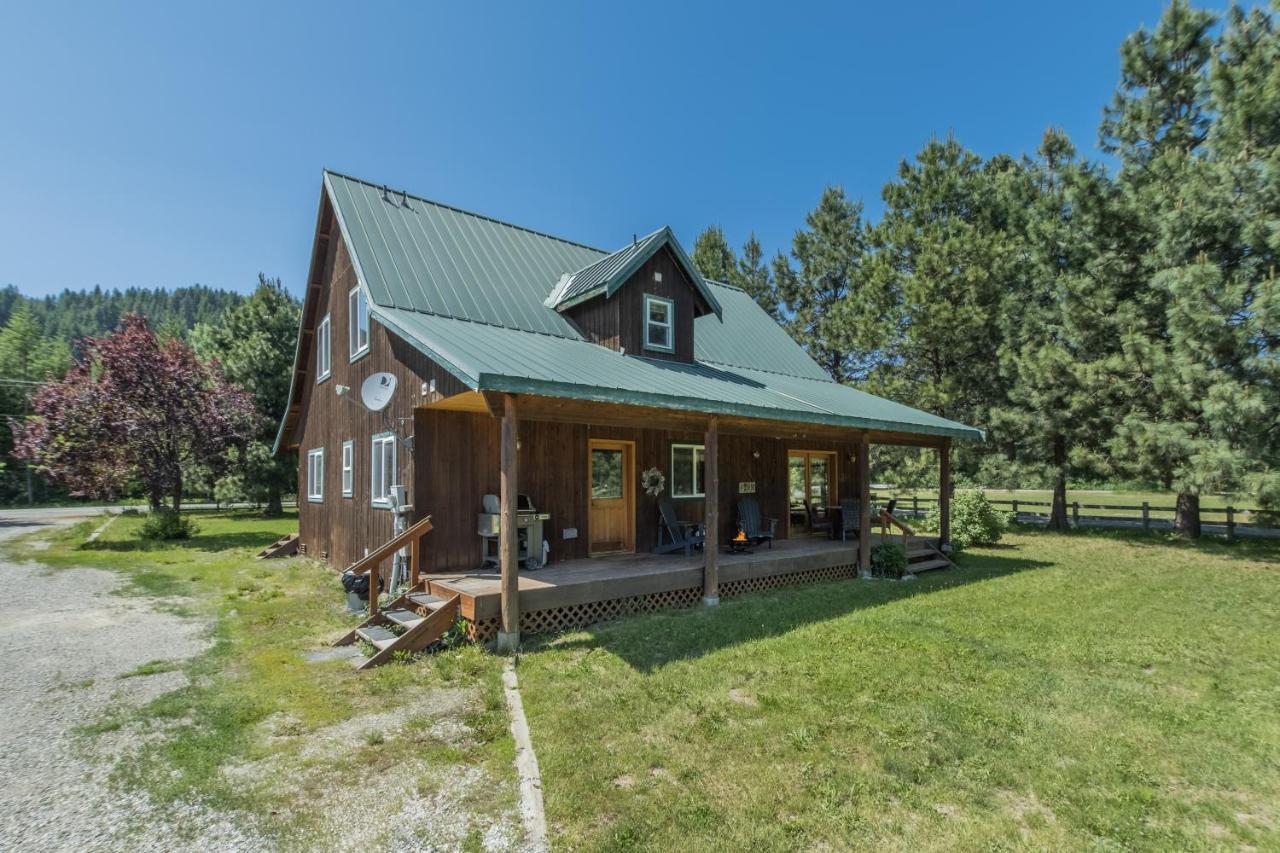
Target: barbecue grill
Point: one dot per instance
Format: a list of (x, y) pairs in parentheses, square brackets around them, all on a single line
[(528, 530)]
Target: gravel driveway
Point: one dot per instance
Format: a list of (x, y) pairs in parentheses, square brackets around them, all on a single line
[(65, 640)]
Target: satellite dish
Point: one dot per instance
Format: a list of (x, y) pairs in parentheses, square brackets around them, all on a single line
[(376, 391)]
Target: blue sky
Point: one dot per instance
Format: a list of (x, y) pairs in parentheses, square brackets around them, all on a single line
[(165, 146)]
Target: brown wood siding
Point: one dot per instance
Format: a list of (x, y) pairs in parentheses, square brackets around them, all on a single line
[(458, 465), (344, 528), (618, 322)]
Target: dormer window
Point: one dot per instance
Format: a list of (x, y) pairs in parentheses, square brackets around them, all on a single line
[(659, 323)]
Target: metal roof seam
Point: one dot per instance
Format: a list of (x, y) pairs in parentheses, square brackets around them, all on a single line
[(460, 210)]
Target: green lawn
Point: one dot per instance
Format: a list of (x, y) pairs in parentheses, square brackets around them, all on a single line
[(1055, 692), (253, 698)]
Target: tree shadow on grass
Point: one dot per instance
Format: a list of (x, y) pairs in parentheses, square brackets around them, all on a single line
[(651, 641), (208, 543)]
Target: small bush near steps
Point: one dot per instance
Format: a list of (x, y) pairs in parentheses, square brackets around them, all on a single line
[(888, 560), (974, 521), (167, 524)]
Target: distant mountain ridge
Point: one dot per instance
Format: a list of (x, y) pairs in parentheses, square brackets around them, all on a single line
[(75, 314)]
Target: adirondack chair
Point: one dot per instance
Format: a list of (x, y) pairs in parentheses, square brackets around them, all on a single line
[(680, 535), (850, 518), (817, 522), (755, 528)]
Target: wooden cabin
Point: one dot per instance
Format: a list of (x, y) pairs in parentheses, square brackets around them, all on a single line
[(538, 369)]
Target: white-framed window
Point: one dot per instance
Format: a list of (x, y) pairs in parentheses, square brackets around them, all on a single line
[(315, 475), (348, 468), (324, 362), (659, 323), (382, 469), (358, 326), (687, 466)]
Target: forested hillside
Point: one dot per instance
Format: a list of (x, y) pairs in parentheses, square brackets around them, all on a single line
[(75, 314)]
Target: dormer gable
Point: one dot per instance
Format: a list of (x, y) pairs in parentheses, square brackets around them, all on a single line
[(640, 300)]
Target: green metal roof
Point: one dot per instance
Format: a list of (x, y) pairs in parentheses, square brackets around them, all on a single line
[(473, 294), (606, 275)]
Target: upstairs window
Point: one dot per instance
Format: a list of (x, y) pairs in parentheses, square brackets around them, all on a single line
[(686, 470), (382, 469), (358, 336), (323, 361), (315, 475), (348, 468), (659, 323)]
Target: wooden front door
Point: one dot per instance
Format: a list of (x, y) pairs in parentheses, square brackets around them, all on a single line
[(811, 476), (611, 523)]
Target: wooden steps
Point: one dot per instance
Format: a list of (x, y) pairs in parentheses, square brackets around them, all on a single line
[(411, 623), (285, 546), (924, 556)]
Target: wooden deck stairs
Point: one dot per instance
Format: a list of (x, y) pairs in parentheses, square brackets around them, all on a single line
[(410, 623), (922, 554), (924, 557), (285, 546), (413, 621)]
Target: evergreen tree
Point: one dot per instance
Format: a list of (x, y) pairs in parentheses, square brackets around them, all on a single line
[(1057, 335), (946, 259), (254, 346), (27, 359), (755, 277), (1189, 355), (822, 295), (713, 257)]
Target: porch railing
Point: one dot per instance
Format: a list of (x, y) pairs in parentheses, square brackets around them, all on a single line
[(372, 564)]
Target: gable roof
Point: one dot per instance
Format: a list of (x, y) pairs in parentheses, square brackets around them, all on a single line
[(605, 276), (471, 293)]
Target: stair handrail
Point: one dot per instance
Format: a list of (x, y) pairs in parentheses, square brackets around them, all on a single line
[(371, 563), (415, 531), (887, 518)]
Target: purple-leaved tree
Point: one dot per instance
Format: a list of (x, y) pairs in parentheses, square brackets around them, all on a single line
[(134, 408)]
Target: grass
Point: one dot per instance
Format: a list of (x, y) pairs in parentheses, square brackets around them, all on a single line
[(1058, 691), (263, 616)]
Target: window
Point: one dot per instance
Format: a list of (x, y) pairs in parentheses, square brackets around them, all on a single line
[(358, 336), (382, 469), (323, 363), (315, 475), (348, 468), (659, 321), (686, 470)]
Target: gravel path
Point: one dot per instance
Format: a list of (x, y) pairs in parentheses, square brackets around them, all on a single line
[(65, 640)]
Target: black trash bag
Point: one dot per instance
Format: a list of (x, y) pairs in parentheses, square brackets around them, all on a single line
[(359, 584)]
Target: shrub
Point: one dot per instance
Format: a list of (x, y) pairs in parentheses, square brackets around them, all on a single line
[(888, 560), (974, 521), (167, 524)]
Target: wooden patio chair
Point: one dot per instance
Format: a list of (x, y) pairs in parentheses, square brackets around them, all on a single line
[(819, 522), (753, 526), (681, 535), (850, 518)]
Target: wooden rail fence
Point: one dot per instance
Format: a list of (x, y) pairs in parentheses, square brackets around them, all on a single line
[(1230, 516)]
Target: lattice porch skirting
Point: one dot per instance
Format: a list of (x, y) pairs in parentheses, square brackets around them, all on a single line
[(560, 619)]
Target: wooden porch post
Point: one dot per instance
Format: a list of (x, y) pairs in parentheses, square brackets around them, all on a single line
[(944, 494), (864, 501), (508, 541), (711, 515)]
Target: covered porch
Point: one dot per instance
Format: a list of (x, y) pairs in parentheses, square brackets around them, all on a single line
[(542, 447)]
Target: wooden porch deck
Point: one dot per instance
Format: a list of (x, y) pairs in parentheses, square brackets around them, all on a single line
[(575, 583)]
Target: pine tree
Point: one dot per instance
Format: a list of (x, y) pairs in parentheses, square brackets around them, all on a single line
[(1189, 350), (946, 258), (822, 294), (755, 277), (253, 345), (713, 257), (1057, 334)]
